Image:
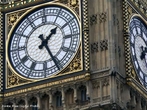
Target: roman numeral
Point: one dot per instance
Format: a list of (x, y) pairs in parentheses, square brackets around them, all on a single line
[(33, 65), (24, 59), (65, 49)]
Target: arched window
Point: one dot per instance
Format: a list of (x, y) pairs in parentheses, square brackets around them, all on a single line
[(58, 98), (8, 106), (69, 96), (33, 104), (83, 95), (21, 105), (45, 102)]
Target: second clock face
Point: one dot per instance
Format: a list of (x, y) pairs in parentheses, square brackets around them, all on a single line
[(138, 44), (44, 42)]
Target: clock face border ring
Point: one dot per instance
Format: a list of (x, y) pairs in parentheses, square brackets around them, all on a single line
[(137, 29), (27, 13)]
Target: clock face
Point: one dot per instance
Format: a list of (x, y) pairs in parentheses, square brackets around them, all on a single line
[(138, 44), (44, 42)]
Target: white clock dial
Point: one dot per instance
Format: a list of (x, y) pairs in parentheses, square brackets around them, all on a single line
[(138, 45), (139, 42), (44, 41), (54, 43)]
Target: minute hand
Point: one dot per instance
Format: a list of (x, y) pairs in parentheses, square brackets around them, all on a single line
[(50, 53)]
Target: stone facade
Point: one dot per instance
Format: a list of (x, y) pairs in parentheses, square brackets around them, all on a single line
[(109, 81)]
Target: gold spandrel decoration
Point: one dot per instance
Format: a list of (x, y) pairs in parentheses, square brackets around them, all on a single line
[(12, 19), (130, 10), (75, 65), (14, 80), (74, 4), (141, 5)]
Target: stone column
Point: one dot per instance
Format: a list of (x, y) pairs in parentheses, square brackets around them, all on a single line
[(14, 105), (50, 100), (2, 108), (38, 102), (87, 89), (26, 103), (138, 104), (143, 104), (63, 98), (133, 100), (75, 93)]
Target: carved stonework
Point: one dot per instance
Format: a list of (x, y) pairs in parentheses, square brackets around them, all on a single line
[(115, 20), (114, 106), (105, 82), (96, 84), (106, 97), (102, 17), (99, 46), (94, 47), (103, 45), (93, 19)]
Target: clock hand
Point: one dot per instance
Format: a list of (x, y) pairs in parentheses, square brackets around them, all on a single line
[(50, 53), (44, 41), (143, 53)]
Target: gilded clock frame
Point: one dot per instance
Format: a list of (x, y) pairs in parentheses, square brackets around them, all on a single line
[(9, 34), (128, 12), (86, 55)]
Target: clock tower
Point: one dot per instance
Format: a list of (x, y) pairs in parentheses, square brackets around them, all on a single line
[(73, 55)]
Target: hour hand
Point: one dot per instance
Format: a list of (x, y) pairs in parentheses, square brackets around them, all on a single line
[(143, 53), (42, 43), (41, 37), (45, 41)]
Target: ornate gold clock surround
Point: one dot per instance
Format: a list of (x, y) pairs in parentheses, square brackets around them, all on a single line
[(128, 12), (14, 80)]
